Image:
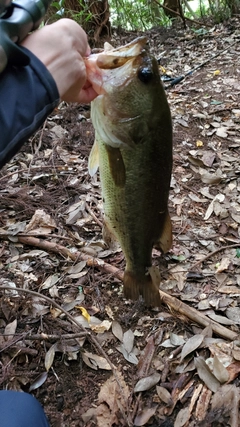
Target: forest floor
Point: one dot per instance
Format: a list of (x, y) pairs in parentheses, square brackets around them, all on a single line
[(124, 364)]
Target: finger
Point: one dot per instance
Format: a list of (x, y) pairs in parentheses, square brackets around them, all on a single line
[(88, 51), (87, 95)]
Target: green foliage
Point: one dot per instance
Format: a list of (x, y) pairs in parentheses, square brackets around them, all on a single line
[(144, 14), (238, 252), (137, 15), (59, 6), (64, 9), (219, 10)]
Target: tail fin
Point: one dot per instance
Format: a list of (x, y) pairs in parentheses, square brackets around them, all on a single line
[(144, 285)]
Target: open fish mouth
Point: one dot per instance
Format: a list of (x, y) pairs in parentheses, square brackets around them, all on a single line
[(112, 58), (114, 65)]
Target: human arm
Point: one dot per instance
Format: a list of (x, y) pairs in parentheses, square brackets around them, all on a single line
[(29, 94), (61, 47)]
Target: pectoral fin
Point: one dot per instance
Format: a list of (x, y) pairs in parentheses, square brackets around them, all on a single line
[(93, 160), (165, 240), (116, 165)]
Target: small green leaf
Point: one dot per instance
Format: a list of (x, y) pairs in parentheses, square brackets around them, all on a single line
[(215, 102), (238, 252)]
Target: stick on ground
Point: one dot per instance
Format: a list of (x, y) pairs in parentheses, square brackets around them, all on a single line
[(174, 303)]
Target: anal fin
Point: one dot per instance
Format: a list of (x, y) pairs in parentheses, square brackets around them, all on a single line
[(164, 242), (109, 237)]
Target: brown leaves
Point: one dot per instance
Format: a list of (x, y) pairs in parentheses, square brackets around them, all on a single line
[(112, 399)]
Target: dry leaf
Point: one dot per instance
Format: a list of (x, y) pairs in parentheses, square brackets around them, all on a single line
[(164, 395), (41, 222), (50, 281), (117, 330), (206, 375), (219, 198), (145, 415), (83, 321), (179, 275), (219, 370), (85, 313), (105, 325), (146, 358), (49, 357), (191, 345), (222, 132), (128, 340), (220, 319), (10, 330), (146, 383), (38, 382), (182, 417), (88, 415), (233, 313), (176, 339), (130, 357), (95, 362), (111, 397), (224, 264)]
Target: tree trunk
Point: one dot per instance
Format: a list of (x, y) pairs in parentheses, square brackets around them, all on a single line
[(173, 5), (92, 16)]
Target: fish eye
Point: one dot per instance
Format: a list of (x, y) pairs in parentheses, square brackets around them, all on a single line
[(145, 74)]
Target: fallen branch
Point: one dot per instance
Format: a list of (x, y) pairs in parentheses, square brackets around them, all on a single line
[(66, 253), (196, 316), (172, 302)]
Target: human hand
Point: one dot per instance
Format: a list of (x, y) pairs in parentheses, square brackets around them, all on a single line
[(61, 47)]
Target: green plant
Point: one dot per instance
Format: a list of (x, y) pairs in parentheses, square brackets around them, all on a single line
[(137, 15)]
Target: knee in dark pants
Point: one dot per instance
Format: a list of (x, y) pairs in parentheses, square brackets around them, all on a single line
[(19, 409)]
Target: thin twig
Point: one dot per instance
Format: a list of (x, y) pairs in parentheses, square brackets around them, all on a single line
[(45, 337), (61, 168), (222, 248), (93, 215), (91, 338)]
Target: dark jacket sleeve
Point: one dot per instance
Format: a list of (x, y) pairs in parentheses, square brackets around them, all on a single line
[(27, 96)]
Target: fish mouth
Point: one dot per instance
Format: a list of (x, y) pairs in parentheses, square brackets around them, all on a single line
[(114, 66), (112, 58)]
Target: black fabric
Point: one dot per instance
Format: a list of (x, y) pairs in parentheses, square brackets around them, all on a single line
[(27, 96), (19, 409)]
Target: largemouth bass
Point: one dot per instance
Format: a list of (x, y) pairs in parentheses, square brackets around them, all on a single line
[(133, 149)]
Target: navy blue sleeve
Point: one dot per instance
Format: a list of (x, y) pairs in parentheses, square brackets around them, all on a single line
[(27, 96)]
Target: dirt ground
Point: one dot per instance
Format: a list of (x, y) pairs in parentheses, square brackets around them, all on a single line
[(176, 365)]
